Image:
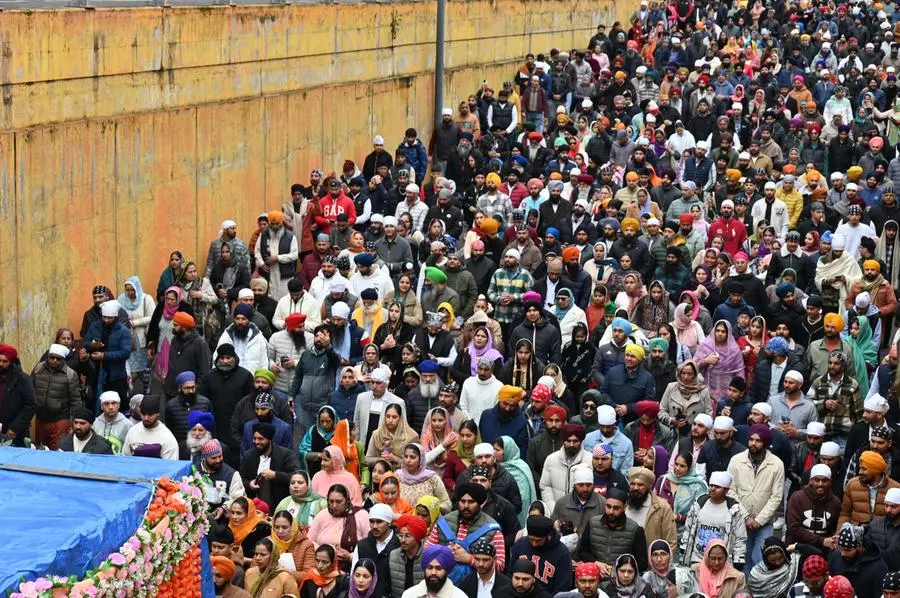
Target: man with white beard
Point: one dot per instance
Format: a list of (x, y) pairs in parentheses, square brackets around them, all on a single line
[(425, 396), (200, 427), (277, 252)]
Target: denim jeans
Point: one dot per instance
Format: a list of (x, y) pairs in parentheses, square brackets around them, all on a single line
[(755, 539)]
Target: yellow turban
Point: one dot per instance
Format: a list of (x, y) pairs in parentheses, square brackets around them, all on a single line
[(493, 177), (631, 223), (631, 177), (510, 394), (854, 173), (555, 176), (873, 264), (635, 351), (834, 320), (873, 462)]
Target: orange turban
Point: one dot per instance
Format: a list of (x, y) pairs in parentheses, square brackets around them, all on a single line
[(223, 566), (872, 264), (489, 226), (789, 169), (631, 177), (555, 176), (184, 319), (570, 253), (873, 462), (733, 174), (276, 216), (834, 320)]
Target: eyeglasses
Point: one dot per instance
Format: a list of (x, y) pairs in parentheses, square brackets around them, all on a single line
[(590, 407)]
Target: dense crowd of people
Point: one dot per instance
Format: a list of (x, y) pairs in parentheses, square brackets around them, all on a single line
[(626, 329)]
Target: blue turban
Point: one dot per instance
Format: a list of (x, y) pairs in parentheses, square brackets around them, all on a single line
[(621, 323), (552, 231), (243, 309), (826, 237), (439, 553), (555, 186), (783, 289), (778, 346), (364, 259), (429, 366), (521, 161), (204, 418), (610, 221), (185, 377)]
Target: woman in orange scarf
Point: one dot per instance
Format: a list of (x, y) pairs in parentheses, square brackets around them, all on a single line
[(247, 525), (348, 447), (389, 494), (324, 576)]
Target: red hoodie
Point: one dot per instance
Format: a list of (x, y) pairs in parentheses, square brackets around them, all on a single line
[(331, 208)]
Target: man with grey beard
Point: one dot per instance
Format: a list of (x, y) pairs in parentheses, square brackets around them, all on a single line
[(423, 398)]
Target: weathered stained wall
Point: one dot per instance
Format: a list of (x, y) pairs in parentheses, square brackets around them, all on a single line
[(126, 133)]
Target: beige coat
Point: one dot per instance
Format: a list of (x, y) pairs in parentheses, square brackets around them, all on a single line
[(761, 492), (660, 524)]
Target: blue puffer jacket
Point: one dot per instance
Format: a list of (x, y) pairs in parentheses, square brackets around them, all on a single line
[(416, 157), (344, 400), (115, 353)]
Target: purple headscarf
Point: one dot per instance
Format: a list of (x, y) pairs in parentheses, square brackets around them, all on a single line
[(731, 361), (369, 565)]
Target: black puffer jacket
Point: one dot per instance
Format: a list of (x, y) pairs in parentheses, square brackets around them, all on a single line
[(56, 392)]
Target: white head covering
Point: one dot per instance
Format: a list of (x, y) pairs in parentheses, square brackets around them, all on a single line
[(892, 496), (721, 479), (606, 415), (379, 140), (705, 419), (228, 224), (763, 408), (582, 474), (110, 396), (795, 376), (245, 294), (547, 381), (109, 309), (340, 310), (390, 221), (723, 424), (380, 375), (838, 241), (815, 429), (876, 403), (382, 512), (483, 449), (58, 350), (820, 470), (830, 449)]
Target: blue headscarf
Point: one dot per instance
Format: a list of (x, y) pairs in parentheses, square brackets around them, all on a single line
[(126, 303)]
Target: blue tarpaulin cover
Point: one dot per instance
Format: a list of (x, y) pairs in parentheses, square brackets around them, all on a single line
[(54, 525)]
